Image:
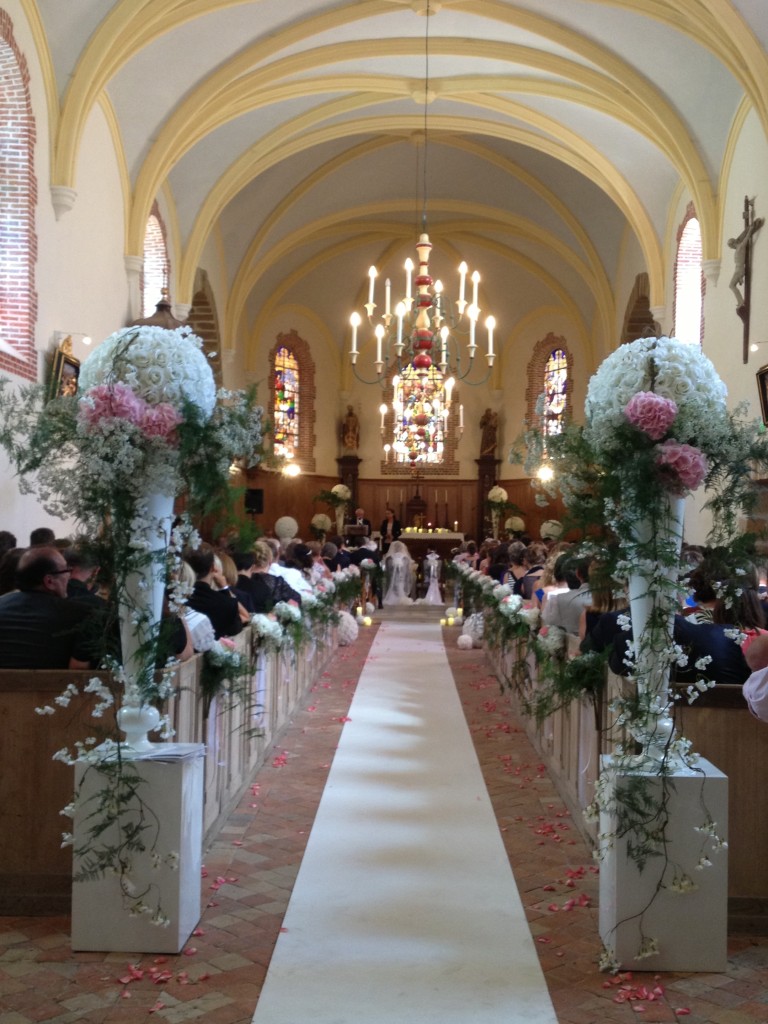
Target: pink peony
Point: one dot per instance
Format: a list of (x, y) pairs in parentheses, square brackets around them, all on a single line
[(683, 466), (111, 401), (651, 413), (159, 420)]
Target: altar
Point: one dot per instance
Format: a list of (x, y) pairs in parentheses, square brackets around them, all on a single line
[(442, 542)]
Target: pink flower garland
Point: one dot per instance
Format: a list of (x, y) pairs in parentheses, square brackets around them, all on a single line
[(118, 402), (651, 413)]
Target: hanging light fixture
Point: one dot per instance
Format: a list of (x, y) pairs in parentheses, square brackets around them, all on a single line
[(425, 331)]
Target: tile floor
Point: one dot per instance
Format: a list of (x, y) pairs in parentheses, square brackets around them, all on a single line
[(249, 873)]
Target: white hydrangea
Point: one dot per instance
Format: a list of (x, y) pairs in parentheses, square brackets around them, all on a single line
[(668, 367), (157, 364)]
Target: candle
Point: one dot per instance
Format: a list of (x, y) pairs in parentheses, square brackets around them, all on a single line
[(359, 610), (387, 296), (450, 620), (443, 622), (462, 282), (379, 336), (461, 417), (456, 526), (367, 621), (490, 323), (400, 313), (355, 321), (475, 282), (372, 272)]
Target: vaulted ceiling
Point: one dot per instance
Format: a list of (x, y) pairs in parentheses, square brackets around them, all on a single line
[(290, 135)]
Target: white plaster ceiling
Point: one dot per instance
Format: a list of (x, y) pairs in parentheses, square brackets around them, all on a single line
[(580, 119)]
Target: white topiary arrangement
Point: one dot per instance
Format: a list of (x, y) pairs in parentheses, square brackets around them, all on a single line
[(347, 629), (286, 528), (474, 627)]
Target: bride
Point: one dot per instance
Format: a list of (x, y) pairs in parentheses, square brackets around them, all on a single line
[(398, 569)]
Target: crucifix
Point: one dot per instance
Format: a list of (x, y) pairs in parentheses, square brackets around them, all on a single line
[(742, 266)]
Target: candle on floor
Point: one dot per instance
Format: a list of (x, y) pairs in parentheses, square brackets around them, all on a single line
[(443, 622), (367, 620), (450, 620)]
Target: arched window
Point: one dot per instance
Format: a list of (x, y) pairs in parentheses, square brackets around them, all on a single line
[(689, 281), (555, 392), (18, 198), (156, 269), (419, 417), (292, 400), (550, 373), (286, 410)]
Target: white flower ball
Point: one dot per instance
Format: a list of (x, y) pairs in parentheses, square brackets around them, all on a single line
[(551, 529), (515, 524), (672, 369), (156, 364), (347, 629), (464, 642), (286, 528)]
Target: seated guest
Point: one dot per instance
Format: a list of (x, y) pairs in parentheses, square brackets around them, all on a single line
[(534, 557), (43, 536), (225, 563), (564, 610), (7, 541), (8, 564), (330, 553), (197, 624), (498, 567), (297, 561), (220, 605), (41, 628), (319, 570), (267, 589), (80, 586)]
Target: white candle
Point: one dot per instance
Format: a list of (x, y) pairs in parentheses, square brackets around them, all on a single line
[(475, 282), (400, 313), (461, 417), (379, 336), (462, 280), (355, 321), (387, 296), (490, 323), (372, 272), (383, 411)]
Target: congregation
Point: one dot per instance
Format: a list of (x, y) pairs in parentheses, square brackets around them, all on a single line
[(55, 610)]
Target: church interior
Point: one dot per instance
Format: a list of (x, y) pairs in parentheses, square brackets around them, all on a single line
[(288, 179)]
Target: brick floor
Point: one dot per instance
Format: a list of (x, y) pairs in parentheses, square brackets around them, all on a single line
[(246, 889)]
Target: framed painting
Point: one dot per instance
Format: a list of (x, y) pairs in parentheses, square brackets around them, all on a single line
[(65, 371)]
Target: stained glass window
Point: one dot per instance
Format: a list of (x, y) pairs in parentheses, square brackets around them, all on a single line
[(555, 392), (419, 407), (286, 411)]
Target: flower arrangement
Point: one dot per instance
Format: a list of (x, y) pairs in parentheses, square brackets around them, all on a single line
[(657, 428), (320, 524), (497, 496), (146, 425), (224, 671)]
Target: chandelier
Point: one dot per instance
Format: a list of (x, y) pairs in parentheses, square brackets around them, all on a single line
[(425, 330)]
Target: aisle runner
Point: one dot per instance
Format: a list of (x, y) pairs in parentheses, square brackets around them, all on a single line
[(405, 907)]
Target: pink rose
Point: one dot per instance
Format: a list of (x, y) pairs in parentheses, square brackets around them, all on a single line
[(651, 413), (159, 420), (683, 467), (111, 401)]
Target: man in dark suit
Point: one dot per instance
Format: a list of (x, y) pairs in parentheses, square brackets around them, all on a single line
[(39, 626)]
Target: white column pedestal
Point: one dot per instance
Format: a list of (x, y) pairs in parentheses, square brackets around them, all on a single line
[(690, 928), (173, 773)]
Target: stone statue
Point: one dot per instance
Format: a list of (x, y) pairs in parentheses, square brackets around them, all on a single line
[(741, 244), (489, 426), (350, 430)]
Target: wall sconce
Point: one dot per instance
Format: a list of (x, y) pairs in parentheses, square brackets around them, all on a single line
[(292, 469)]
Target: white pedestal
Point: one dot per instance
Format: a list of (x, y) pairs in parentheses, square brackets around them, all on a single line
[(173, 773), (690, 928)]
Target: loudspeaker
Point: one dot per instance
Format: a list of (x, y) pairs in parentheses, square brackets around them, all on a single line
[(254, 501)]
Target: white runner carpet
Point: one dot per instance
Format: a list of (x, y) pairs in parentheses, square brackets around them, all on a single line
[(405, 907)]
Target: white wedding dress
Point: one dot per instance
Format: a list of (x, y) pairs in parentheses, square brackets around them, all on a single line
[(398, 570), (432, 565)]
